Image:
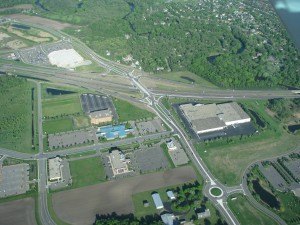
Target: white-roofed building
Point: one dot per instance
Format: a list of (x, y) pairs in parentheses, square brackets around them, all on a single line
[(157, 201), (55, 170)]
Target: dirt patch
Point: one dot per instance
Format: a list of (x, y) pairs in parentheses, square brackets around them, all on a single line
[(16, 44), (39, 21), (22, 6), (3, 36), (80, 206), (20, 212), (28, 37)]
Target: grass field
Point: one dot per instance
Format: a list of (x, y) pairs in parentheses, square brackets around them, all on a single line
[(81, 121), (185, 77), (16, 114), (62, 105), (87, 172), (246, 213), (56, 126), (140, 210), (127, 111), (238, 154)]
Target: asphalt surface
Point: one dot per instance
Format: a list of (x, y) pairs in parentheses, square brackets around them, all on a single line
[(63, 77)]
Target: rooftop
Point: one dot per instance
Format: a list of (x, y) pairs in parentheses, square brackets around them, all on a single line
[(55, 168), (101, 113), (118, 160), (157, 201)]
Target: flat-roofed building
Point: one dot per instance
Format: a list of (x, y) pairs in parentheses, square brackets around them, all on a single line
[(157, 201), (214, 117), (171, 195), (204, 214), (55, 170), (118, 162), (100, 117)]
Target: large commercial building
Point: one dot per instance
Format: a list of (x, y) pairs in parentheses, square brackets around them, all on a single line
[(99, 108), (214, 117), (118, 162), (55, 169), (112, 132)]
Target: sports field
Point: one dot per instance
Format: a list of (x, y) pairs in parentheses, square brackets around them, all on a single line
[(80, 206), (19, 212), (246, 213), (87, 172), (62, 105)]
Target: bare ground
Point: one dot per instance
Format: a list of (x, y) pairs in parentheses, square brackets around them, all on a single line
[(40, 21), (19, 212), (80, 206)]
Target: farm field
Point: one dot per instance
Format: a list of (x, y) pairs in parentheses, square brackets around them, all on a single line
[(56, 126), (116, 195), (62, 105), (87, 172), (246, 213), (19, 212), (127, 111), (16, 114)]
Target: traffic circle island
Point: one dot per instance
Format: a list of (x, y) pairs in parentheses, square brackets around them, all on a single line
[(216, 192)]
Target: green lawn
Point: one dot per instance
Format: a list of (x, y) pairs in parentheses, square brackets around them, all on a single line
[(62, 105), (16, 114), (81, 121), (58, 125), (246, 213), (127, 111), (87, 172), (236, 155)]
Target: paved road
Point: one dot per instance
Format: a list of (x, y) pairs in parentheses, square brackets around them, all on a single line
[(42, 167), (219, 201)]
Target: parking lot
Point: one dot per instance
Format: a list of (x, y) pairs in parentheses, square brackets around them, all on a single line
[(38, 55), (294, 167), (274, 177), (15, 180), (149, 159), (151, 126), (72, 138)]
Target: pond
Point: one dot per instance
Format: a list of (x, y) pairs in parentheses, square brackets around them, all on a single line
[(52, 91), (19, 26), (40, 5), (188, 79), (265, 196), (212, 58), (294, 128)]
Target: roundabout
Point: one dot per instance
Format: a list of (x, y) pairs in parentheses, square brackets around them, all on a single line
[(216, 192)]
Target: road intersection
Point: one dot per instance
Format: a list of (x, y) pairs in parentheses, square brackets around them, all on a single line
[(152, 100)]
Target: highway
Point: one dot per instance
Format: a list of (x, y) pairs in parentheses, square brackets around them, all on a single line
[(150, 97)]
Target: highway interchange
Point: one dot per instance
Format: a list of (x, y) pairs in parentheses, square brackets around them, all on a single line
[(152, 100)]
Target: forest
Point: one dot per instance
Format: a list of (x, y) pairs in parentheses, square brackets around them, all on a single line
[(232, 43)]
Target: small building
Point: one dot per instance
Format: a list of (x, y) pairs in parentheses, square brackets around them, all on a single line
[(168, 219), (171, 146), (146, 203), (157, 201), (204, 214), (55, 172), (118, 162), (100, 117), (112, 132), (171, 195)]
